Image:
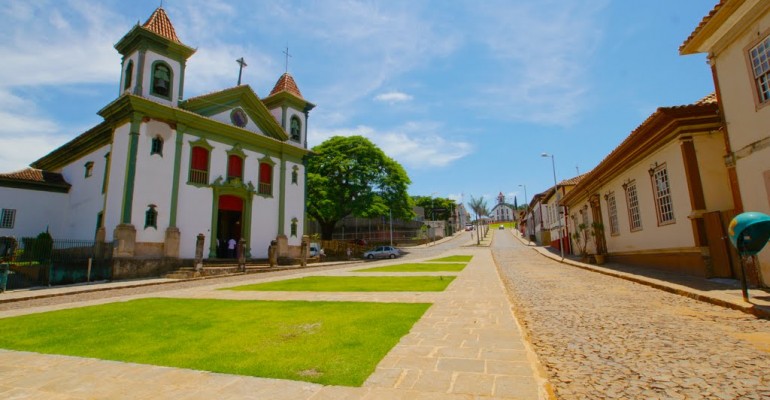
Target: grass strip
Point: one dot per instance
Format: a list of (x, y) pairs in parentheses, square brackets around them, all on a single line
[(332, 343), (453, 259), (354, 284), (417, 267)]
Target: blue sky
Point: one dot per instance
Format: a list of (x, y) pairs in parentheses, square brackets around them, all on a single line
[(466, 95)]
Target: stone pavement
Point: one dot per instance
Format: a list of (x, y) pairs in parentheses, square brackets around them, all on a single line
[(467, 346)]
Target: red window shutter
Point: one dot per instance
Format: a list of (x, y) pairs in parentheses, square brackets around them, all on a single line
[(235, 167), (265, 173), (200, 159)]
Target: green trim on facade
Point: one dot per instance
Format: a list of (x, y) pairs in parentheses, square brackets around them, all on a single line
[(141, 56), (200, 142), (282, 198), (133, 148), (180, 129), (139, 36), (170, 95), (40, 186), (183, 68), (238, 189), (240, 96), (289, 99), (77, 148)]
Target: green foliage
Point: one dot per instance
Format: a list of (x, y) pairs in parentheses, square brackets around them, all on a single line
[(354, 284), (352, 176), (332, 343), (418, 267), (428, 203)]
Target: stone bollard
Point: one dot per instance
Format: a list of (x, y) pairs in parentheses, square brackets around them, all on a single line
[(304, 250), (241, 254), (272, 253), (199, 253)]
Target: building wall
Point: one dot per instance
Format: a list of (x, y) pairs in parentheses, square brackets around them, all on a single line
[(152, 182), (117, 178), (710, 150), (85, 199), (35, 211), (748, 121)]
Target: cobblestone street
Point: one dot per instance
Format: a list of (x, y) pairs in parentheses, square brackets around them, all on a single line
[(604, 337)]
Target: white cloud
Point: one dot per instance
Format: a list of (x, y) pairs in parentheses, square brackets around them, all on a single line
[(415, 145), (393, 97), (544, 51)]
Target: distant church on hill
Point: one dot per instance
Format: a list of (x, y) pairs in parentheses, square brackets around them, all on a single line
[(160, 169)]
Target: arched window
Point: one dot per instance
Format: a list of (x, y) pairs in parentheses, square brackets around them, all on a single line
[(161, 80), (199, 165), (129, 74), (234, 167), (294, 174), (294, 226), (151, 217), (296, 129), (265, 179), (157, 146)]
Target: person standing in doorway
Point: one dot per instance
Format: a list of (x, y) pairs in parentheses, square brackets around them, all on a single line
[(231, 248)]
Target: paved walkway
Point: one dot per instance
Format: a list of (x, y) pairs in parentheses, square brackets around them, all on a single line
[(467, 346)]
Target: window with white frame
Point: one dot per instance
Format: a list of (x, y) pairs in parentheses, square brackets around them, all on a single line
[(612, 210), (7, 218), (760, 64), (632, 200), (663, 204)]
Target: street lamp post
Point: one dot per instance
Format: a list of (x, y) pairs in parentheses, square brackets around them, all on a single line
[(526, 209), (558, 206)]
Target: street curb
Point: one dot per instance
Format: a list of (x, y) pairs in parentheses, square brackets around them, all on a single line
[(759, 312)]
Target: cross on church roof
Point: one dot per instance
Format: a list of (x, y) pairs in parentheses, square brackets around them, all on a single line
[(240, 70), (286, 52)]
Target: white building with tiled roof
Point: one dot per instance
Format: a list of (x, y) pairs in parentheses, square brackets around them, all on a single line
[(735, 35), (161, 169)]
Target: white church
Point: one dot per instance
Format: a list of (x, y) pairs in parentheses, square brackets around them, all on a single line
[(161, 169)]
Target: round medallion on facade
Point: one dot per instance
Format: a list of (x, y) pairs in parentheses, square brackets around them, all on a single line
[(239, 118)]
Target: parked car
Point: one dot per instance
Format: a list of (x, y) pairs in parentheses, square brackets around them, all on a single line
[(468, 227), (315, 249), (382, 252), (501, 227)]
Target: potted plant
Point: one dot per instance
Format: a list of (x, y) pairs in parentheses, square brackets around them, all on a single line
[(597, 232), (581, 236)]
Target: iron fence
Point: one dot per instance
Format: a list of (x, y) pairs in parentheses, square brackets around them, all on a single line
[(42, 261)]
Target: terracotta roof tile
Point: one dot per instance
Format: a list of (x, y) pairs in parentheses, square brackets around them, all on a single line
[(703, 23), (160, 24), (286, 84), (572, 181), (36, 176)]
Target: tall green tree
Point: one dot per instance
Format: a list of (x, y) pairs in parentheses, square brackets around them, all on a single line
[(349, 175), (445, 207)]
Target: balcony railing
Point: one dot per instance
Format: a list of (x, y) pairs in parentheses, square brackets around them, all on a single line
[(199, 176)]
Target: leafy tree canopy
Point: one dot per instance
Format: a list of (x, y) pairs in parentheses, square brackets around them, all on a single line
[(444, 207), (349, 175)]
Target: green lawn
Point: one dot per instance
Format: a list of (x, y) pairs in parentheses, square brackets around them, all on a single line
[(453, 259), (417, 267), (354, 284), (333, 343)]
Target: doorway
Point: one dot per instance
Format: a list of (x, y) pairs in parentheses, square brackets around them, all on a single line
[(229, 224)]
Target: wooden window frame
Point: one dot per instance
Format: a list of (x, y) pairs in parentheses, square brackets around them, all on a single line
[(664, 203), (632, 204)]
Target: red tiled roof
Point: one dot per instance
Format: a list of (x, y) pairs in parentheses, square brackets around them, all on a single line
[(703, 23), (35, 176), (572, 181), (709, 99), (160, 24), (286, 84)]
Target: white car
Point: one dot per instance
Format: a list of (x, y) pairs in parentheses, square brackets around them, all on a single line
[(383, 252)]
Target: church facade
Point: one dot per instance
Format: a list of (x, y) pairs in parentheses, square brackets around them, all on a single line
[(161, 169)]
